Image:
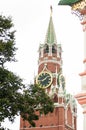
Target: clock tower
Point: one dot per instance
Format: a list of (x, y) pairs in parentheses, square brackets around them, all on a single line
[(50, 78)]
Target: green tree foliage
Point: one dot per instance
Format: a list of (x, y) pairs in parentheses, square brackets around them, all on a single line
[(7, 40), (15, 97), (10, 85), (35, 99)]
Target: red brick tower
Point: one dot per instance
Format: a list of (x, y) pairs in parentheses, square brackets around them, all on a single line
[(52, 80)]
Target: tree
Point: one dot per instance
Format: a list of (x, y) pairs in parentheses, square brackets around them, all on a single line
[(15, 97), (35, 99), (10, 84), (7, 40)]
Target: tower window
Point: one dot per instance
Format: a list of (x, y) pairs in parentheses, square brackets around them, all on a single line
[(46, 50), (54, 49)]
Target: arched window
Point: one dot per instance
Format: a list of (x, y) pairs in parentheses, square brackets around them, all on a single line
[(46, 49), (54, 49)]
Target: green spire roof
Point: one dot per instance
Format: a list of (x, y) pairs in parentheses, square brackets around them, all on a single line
[(68, 2), (50, 36)]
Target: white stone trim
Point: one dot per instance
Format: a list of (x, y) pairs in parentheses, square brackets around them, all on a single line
[(50, 51), (58, 105), (66, 116), (44, 127), (41, 52), (49, 61)]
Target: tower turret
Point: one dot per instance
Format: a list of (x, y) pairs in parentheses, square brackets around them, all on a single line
[(50, 52), (50, 55)]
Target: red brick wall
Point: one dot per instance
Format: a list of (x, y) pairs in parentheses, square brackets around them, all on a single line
[(52, 121), (50, 66), (69, 117)]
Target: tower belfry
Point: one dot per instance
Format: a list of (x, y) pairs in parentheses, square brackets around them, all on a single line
[(50, 78)]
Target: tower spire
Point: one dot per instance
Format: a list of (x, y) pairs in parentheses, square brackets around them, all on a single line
[(50, 35), (51, 10)]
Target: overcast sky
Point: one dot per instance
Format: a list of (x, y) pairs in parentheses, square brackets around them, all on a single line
[(31, 18)]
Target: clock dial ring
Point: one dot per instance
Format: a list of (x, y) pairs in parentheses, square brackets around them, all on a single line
[(44, 79)]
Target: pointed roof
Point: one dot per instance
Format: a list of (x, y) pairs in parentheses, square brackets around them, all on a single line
[(50, 35), (68, 2)]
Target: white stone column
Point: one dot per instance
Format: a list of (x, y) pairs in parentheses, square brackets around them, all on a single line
[(50, 50), (42, 51), (84, 116), (84, 122), (83, 83), (83, 74), (84, 30)]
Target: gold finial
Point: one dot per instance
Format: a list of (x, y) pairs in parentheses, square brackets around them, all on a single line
[(51, 9)]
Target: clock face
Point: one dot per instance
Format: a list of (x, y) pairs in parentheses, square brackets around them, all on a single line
[(44, 79)]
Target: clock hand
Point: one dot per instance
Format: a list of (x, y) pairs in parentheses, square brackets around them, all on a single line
[(45, 78)]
